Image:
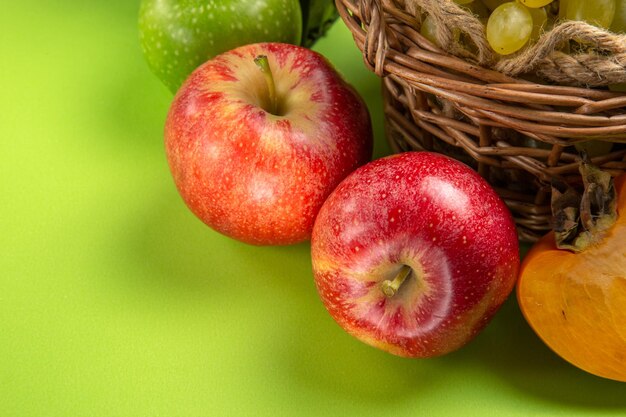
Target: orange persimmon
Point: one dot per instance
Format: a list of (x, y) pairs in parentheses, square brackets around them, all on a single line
[(576, 302)]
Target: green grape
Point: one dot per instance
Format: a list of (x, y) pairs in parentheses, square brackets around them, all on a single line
[(509, 28), (598, 12), (535, 3), (563, 9), (619, 22), (429, 30), (494, 4), (540, 22), (463, 1)]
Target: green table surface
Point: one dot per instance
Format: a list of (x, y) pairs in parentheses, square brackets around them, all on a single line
[(116, 301)]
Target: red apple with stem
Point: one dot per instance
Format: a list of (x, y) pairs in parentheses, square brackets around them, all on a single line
[(258, 137), (414, 254)]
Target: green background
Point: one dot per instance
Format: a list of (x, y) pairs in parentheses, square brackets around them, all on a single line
[(116, 301)]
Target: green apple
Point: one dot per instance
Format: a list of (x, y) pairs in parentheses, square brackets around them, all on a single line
[(178, 35)]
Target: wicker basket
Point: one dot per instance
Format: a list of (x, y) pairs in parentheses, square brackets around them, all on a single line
[(517, 134)]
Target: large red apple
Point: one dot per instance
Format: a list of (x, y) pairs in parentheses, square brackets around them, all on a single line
[(414, 254), (254, 153)]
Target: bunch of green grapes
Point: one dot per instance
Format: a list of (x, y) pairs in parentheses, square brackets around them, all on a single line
[(511, 25)]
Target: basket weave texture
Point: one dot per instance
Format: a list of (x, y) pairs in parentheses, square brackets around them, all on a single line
[(518, 134)]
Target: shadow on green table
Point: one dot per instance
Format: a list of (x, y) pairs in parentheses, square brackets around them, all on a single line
[(314, 354)]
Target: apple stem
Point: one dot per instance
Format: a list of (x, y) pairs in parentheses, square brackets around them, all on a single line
[(264, 65), (391, 287)]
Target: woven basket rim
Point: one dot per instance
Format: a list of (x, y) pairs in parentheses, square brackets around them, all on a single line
[(584, 68), (555, 114)]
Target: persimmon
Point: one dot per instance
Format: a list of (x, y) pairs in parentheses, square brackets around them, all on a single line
[(576, 301)]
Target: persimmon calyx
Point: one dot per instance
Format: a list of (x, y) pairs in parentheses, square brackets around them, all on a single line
[(581, 219)]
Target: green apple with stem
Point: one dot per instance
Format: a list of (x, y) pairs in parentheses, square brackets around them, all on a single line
[(178, 35)]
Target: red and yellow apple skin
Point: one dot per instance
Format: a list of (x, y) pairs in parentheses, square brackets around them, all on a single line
[(434, 215), (256, 176)]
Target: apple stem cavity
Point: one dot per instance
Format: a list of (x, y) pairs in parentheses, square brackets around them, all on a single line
[(264, 65), (391, 287)]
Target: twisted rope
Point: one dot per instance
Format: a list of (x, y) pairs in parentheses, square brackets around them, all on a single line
[(603, 61)]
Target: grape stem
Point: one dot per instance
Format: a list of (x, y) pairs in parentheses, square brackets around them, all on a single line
[(263, 63)]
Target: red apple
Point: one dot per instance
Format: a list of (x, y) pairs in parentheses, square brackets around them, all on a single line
[(414, 254), (255, 152)]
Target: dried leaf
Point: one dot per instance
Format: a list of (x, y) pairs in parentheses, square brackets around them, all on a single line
[(598, 210), (581, 219), (565, 211)]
